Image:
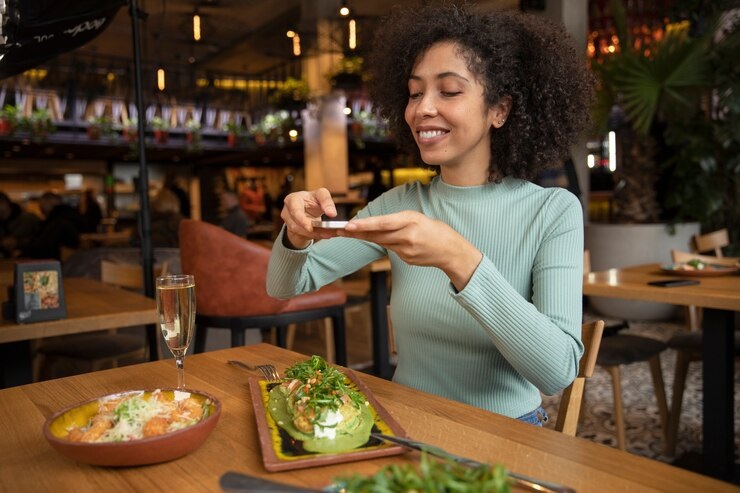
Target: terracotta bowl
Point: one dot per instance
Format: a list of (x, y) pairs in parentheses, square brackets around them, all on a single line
[(149, 450)]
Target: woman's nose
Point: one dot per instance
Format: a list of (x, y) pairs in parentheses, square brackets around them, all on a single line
[(427, 106)]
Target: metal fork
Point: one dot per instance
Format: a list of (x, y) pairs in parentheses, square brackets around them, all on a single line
[(268, 371)]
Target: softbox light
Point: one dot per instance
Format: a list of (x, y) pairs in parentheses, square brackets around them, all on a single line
[(33, 31)]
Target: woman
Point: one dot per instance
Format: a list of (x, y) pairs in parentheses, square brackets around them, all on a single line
[(486, 266)]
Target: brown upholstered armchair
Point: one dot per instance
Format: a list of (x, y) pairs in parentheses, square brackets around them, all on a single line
[(230, 274)]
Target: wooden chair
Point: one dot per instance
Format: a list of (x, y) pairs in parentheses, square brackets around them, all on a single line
[(688, 346), (711, 242), (624, 349), (570, 403), (326, 334), (103, 349), (230, 276)]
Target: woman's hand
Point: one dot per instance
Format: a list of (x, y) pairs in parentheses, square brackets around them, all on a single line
[(300, 209), (419, 240)]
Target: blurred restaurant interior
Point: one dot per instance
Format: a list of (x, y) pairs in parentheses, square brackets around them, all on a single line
[(264, 97)]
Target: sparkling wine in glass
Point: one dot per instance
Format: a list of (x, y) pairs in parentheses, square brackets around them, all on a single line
[(176, 310)]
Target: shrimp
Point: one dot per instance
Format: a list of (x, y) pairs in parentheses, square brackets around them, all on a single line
[(100, 424), (155, 426)]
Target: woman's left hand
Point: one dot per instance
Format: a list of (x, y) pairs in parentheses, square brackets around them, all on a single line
[(419, 240)]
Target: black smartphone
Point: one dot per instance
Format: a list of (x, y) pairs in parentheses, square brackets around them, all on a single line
[(672, 283)]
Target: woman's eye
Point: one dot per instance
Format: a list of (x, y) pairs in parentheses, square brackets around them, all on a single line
[(449, 94), (414, 95)]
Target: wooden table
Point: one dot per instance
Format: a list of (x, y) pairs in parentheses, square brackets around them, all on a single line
[(720, 298), (113, 238), (30, 464), (91, 306)]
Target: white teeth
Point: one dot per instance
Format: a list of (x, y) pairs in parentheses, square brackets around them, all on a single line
[(428, 134)]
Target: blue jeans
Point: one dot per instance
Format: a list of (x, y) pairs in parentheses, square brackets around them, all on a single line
[(536, 417)]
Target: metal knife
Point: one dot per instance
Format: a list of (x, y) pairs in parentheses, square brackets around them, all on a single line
[(242, 483), (518, 480)]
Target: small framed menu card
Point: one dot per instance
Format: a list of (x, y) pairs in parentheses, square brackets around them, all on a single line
[(38, 293)]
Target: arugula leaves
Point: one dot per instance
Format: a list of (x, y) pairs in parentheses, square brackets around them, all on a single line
[(323, 384), (431, 477)]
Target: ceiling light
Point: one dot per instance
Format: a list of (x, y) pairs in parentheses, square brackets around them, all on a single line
[(352, 34), (196, 27), (296, 45), (344, 10), (160, 79), (290, 33)]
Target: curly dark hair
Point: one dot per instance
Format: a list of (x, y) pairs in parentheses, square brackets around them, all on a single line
[(527, 58)]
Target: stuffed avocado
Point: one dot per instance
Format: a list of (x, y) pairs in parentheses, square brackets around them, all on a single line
[(318, 405)]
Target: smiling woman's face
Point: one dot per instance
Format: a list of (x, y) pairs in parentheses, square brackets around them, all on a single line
[(447, 113)]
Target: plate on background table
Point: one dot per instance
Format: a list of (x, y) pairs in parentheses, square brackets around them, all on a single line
[(710, 270), (280, 452)]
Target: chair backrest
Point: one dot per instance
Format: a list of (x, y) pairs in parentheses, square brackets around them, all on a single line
[(570, 403), (711, 242), (230, 271), (129, 276), (679, 256)]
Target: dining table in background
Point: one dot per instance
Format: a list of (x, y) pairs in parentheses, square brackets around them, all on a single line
[(720, 299), (31, 465), (91, 306), (105, 239)]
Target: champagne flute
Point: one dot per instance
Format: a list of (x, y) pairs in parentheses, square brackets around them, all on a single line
[(176, 310)]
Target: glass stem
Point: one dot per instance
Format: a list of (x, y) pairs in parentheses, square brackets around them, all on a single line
[(180, 362)]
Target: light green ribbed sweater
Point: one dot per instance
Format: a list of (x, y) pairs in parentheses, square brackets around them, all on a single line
[(512, 332)]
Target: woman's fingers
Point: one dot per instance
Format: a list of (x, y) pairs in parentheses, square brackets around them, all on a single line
[(302, 208), (389, 222), (325, 202)]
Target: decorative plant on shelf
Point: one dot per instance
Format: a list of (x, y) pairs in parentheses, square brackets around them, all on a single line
[(8, 119), (234, 132), (291, 94), (130, 130), (193, 135), (349, 74), (160, 127), (273, 126), (675, 107), (40, 124), (100, 126)]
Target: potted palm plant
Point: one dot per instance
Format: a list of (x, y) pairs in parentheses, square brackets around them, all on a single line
[(669, 186), (656, 101)]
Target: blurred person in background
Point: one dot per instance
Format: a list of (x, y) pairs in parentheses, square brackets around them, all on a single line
[(90, 211), (234, 219), (17, 226), (165, 221), (175, 185), (61, 227)]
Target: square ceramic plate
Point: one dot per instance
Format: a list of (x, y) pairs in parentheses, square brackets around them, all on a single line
[(280, 452)]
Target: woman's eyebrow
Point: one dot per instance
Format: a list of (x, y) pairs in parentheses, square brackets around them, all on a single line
[(442, 75)]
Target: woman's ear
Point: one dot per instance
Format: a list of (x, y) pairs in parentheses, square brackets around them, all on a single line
[(500, 111)]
